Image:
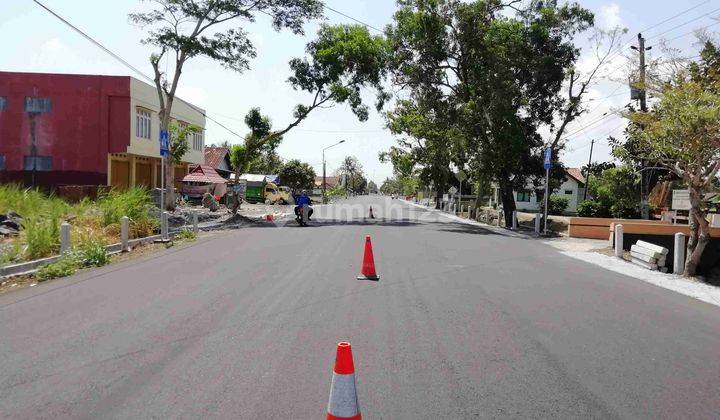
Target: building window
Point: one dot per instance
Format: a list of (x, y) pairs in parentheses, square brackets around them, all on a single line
[(38, 163), (568, 192), (37, 105), (198, 140), (523, 196), (2, 162), (3, 103), (143, 123)]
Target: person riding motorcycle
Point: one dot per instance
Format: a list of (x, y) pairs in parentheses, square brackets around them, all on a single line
[(302, 200)]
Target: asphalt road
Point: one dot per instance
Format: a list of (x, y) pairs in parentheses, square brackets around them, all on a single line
[(463, 323)]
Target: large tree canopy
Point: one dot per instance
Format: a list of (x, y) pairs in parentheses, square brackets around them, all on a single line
[(482, 81), (682, 133), (340, 62), (182, 27)]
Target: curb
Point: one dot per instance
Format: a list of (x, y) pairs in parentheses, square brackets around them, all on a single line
[(498, 230)]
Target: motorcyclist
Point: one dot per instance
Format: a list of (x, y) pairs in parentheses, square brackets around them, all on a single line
[(302, 200)]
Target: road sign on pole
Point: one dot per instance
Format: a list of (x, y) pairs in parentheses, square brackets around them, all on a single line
[(164, 143), (547, 164)]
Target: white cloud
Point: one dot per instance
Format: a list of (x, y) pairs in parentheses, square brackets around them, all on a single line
[(609, 16)]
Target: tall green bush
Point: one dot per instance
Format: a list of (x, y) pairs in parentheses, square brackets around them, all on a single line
[(616, 192)]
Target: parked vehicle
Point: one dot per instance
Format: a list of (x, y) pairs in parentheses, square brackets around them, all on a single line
[(276, 195), (265, 189)]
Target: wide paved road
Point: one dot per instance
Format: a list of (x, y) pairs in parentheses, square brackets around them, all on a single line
[(464, 323)]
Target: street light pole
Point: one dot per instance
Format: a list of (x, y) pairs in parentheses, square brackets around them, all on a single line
[(323, 160)]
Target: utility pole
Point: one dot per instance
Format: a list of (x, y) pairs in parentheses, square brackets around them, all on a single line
[(587, 174), (324, 197), (644, 209)]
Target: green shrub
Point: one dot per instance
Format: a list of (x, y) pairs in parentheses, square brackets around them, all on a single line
[(186, 235), (65, 266), (592, 208), (557, 205), (92, 254), (42, 236), (134, 203)]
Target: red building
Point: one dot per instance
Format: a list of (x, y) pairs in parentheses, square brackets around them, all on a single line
[(64, 129)]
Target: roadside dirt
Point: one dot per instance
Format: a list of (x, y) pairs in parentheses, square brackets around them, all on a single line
[(14, 283)]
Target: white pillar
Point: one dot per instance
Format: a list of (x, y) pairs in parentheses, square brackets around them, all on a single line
[(195, 222), (619, 240), (164, 226), (500, 216), (538, 219), (64, 237), (679, 255), (514, 220), (124, 233)]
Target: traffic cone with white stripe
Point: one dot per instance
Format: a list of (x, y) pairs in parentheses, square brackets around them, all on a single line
[(367, 272), (343, 403)]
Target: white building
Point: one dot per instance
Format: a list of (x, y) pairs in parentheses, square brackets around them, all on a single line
[(573, 188), (140, 164)]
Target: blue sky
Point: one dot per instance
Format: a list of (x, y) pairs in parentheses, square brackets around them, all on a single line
[(36, 41)]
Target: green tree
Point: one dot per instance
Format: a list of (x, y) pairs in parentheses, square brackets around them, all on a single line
[(682, 133), (615, 192), (297, 175), (182, 28), (255, 146), (482, 81), (340, 62)]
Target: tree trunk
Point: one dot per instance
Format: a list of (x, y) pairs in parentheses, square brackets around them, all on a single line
[(508, 201), (169, 164), (699, 232)]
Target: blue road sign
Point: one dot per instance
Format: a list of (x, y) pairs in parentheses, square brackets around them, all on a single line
[(164, 143), (548, 158)]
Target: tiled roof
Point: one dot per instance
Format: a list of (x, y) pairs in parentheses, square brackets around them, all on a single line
[(331, 181), (576, 173), (204, 173), (215, 155)]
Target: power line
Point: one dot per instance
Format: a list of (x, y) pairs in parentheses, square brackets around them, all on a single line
[(351, 18), (692, 32), (622, 47), (97, 44), (683, 24), (128, 65)]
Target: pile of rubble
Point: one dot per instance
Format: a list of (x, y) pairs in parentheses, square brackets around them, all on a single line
[(10, 224), (650, 256)]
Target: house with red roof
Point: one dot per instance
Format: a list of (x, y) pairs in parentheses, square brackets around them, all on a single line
[(218, 158), (573, 188)]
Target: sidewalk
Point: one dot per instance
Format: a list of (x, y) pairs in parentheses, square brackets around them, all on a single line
[(455, 218)]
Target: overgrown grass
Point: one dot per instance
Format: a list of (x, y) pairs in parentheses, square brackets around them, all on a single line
[(65, 266), (93, 222), (88, 255), (186, 235)]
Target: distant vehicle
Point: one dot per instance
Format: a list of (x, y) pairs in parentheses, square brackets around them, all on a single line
[(261, 190), (276, 195), (299, 217)]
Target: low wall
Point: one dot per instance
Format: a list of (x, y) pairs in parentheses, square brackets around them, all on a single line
[(599, 227), (663, 234)]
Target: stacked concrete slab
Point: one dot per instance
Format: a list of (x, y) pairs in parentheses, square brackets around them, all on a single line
[(650, 256)]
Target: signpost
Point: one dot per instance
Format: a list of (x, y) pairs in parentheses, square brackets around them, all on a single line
[(547, 164), (164, 153), (461, 177)]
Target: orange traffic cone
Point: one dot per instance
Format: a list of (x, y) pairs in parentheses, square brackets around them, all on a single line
[(343, 402), (368, 265)]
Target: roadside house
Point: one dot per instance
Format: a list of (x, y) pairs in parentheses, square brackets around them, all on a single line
[(71, 129), (218, 158), (573, 187)]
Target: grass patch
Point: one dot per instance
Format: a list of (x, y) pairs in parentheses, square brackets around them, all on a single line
[(93, 222), (65, 266), (186, 235)]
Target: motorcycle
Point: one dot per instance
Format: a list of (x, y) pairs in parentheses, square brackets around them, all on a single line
[(299, 216)]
